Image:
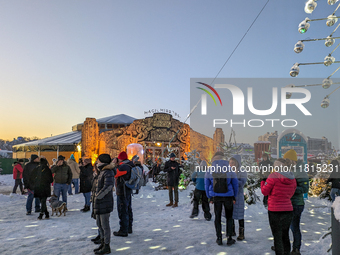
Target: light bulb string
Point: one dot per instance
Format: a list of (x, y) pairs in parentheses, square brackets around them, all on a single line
[(333, 72), (335, 29)]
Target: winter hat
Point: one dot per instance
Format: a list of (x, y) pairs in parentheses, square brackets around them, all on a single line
[(61, 157), (172, 155), (33, 157), (122, 155), (87, 161), (104, 158), (21, 161), (72, 157), (291, 154)]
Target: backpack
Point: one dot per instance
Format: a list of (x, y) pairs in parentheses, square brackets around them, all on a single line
[(136, 178), (220, 183)]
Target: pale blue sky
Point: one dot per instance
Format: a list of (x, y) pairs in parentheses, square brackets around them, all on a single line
[(63, 61)]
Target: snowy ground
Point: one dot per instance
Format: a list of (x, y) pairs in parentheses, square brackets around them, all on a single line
[(157, 229)]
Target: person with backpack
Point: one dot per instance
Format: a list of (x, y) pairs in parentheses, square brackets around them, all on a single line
[(124, 193), (172, 168), (41, 178), (199, 193), (103, 202), (221, 185)]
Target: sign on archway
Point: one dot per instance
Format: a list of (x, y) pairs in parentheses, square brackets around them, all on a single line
[(292, 138)]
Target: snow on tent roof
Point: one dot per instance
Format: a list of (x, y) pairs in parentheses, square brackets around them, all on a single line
[(116, 119), (63, 139)]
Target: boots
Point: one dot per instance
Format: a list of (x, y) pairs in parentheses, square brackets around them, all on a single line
[(105, 250), (170, 204), (47, 215), (40, 216), (295, 251), (241, 234), (194, 213), (130, 230), (219, 240), (175, 205), (97, 238), (230, 241), (120, 233), (85, 209), (100, 246)]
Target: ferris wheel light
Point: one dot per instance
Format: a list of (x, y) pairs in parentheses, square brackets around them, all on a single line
[(295, 70), (329, 41), (289, 94), (331, 20), (310, 6), (325, 102), (304, 26), (326, 83), (328, 60), (331, 2)]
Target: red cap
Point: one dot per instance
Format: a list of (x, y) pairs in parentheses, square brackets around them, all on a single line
[(122, 155)]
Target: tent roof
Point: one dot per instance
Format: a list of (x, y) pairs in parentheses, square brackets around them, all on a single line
[(116, 119), (63, 139)]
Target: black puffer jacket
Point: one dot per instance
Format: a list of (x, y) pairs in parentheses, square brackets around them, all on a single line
[(86, 176), (103, 197), (28, 168), (123, 173), (41, 178), (173, 174)]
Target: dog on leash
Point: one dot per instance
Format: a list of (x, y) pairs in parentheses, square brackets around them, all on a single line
[(57, 206)]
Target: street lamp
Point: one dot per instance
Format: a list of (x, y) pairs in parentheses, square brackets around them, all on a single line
[(303, 26), (294, 71), (310, 6), (298, 47)]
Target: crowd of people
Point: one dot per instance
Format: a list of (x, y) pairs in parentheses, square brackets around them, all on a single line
[(283, 192)]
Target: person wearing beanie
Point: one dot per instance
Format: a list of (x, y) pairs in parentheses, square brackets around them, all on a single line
[(86, 177), (62, 178), (280, 187), (173, 169), (103, 202), (297, 199), (28, 168), (199, 193), (124, 206), (264, 166), (17, 176), (75, 175)]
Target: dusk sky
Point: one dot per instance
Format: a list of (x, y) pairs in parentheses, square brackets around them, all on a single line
[(63, 61)]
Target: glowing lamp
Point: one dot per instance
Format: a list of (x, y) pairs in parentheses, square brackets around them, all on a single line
[(325, 102), (294, 71), (135, 149), (328, 60), (326, 83), (303, 26), (331, 20), (298, 47), (329, 41)]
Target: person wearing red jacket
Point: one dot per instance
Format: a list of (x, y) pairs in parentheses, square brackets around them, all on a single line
[(280, 187), (17, 176)]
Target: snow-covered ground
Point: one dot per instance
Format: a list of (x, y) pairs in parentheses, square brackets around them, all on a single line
[(157, 229)]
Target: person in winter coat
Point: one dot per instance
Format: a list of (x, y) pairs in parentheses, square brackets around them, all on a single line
[(221, 185), (42, 178), (124, 206), (28, 168), (103, 202), (238, 210), (334, 178), (62, 178), (17, 176), (280, 187), (298, 202), (86, 176), (264, 166), (97, 239), (156, 169), (75, 175), (172, 168), (199, 193)]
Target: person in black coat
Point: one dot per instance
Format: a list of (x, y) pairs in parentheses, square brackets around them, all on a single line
[(41, 179), (156, 169), (103, 202), (334, 178), (172, 168), (86, 176), (28, 168)]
